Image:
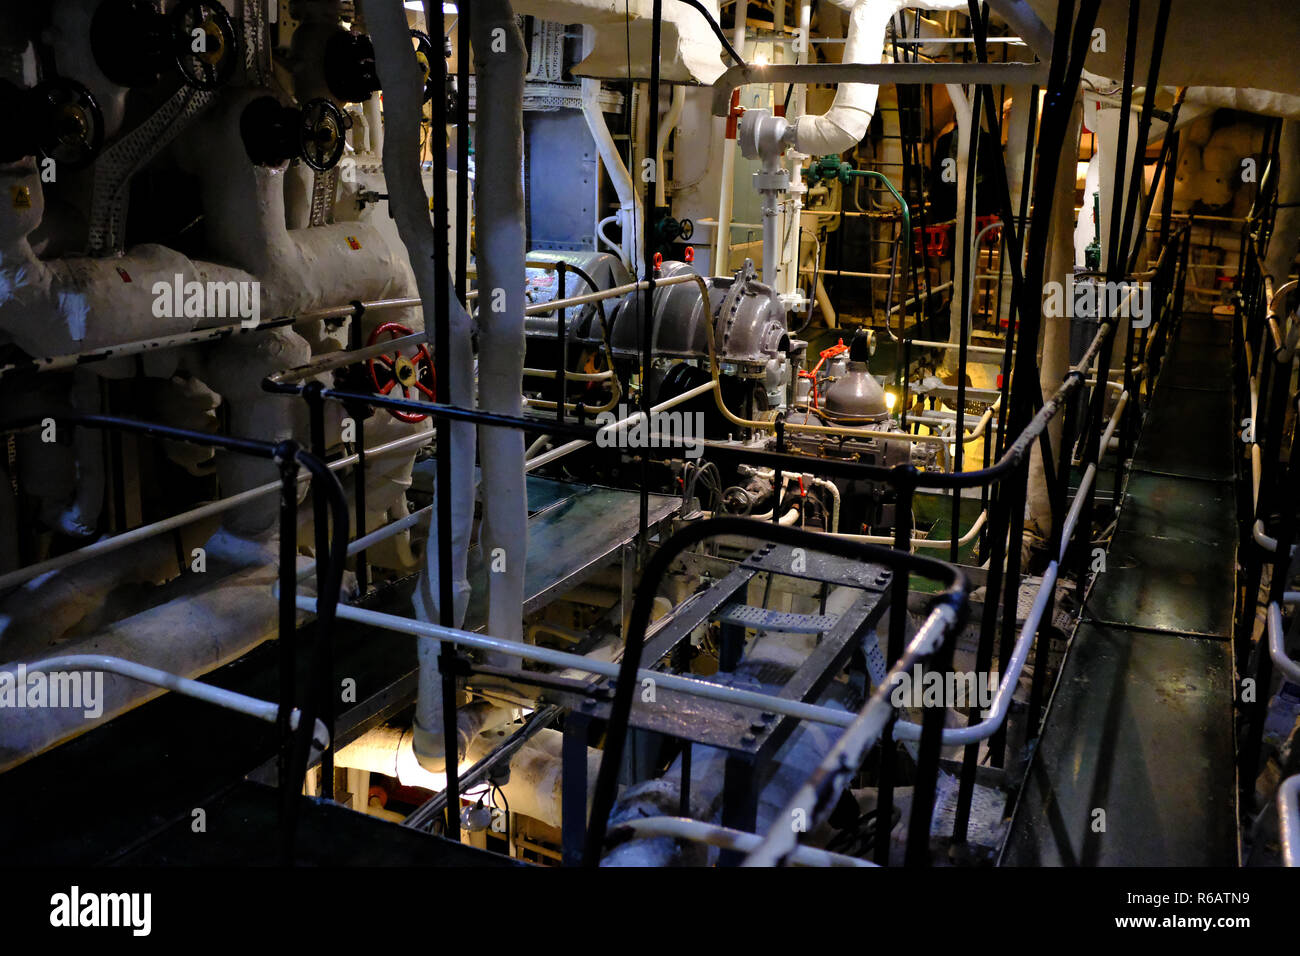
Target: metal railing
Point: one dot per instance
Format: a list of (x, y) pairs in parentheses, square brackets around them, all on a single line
[(306, 730)]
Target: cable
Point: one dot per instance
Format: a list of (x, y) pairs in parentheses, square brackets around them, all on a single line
[(717, 31)]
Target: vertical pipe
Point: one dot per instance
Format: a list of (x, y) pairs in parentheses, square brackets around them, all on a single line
[(647, 310), (462, 149), (969, 261), (722, 241)]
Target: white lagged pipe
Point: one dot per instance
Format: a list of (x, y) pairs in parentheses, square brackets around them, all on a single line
[(666, 128), (843, 125), (726, 193), (962, 109), (499, 143), (403, 97)]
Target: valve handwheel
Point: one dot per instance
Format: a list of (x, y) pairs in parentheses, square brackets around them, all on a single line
[(322, 134), (70, 124), (424, 57), (396, 371), (206, 46)]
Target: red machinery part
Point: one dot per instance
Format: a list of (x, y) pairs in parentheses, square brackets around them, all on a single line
[(397, 371)]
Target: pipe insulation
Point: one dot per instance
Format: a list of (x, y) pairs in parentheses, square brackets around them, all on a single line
[(500, 61), (843, 125), (403, 97)]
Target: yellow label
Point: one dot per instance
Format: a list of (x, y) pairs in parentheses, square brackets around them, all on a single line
[(353, 243), (22, 197)]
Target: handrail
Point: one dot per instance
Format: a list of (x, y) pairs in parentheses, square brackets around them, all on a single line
[(266, 710), (1288, 819), (1277, 637)]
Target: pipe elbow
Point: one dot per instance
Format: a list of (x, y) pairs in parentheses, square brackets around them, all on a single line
[(839, 129)]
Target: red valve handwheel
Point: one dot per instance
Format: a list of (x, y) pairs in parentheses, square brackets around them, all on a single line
[(397, 371)]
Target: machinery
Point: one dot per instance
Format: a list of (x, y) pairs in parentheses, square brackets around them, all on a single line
[(560, 434)]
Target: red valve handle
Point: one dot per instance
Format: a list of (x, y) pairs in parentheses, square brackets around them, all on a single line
[(401, 372)]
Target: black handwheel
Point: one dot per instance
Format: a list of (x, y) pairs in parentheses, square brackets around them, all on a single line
[(205, 44), (686, 229), (424, 57), (130, 41), (350, 71), (69, 125), (322, 133)]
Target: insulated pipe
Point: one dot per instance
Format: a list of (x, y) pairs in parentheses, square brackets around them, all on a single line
[(1055, 361), (726, 190), (666, 128), (403, 94), (499, 199), (845, 123), (962, 108)]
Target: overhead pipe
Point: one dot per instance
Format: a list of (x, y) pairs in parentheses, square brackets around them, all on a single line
[(845, 124)]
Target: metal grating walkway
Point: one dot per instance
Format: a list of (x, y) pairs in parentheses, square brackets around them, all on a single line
[(1135, 766)]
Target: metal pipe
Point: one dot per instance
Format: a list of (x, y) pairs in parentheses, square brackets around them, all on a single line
[(532, 652), (1288, 819), (697, 831)]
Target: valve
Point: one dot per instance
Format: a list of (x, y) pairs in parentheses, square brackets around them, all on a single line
[(424, 56), (350, 71), (322, 134), (133, 42), (274, 134), (388, 372), (58, 119), (669, 230), (827, 168)]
